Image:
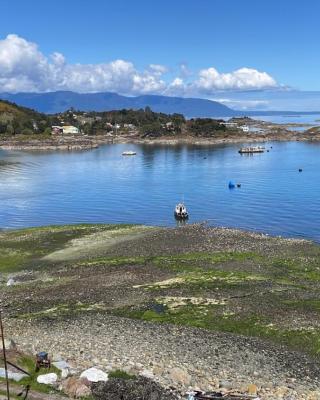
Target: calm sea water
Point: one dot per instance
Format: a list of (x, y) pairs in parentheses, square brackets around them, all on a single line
[(103, 186)]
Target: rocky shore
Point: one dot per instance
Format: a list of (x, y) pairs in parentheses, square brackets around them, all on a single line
[(264, 133), (234, 310), (179, 357), (52, 143)]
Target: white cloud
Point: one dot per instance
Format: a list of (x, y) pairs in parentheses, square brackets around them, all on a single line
[(23, 67), (243, 104), (244, 78)]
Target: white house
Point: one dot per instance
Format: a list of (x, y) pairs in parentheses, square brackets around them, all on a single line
[(70, 130), (245, 128)]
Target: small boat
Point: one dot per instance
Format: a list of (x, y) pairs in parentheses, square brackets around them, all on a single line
[(180, 211), (129, 153), (251, 150)]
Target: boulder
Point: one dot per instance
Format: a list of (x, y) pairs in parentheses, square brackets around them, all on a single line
[(180, 376), (9, 344), (16, 376), (76, 388), (64, 367), (10, 282), (94, 375), (147, 374), (61, 364), (48, 379)]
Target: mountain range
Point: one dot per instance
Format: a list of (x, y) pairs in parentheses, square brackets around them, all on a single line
[(60, 101)]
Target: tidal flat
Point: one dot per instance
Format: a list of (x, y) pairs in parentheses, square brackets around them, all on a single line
[(193, 297)]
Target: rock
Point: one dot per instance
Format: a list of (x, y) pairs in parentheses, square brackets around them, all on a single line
[(65, 373), (64, 367), (61, 364), (76, 388), (180, 376), (225, 384), (252, 389), (47, 379), (314, 395), (10, 282), (147, 374), (9, 344), (16, 376), (94, 375)]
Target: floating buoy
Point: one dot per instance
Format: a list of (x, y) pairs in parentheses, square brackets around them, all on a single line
[(300, 169), (238, 185), (231, 185)]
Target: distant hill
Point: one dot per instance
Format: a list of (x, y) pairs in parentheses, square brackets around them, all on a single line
[(55, 102), (144, 122)]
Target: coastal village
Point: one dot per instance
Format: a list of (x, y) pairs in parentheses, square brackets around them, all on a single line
[(22, 128)]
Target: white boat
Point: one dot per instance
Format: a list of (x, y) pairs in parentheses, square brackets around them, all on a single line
[(180, 211), (250, 150), (129, 153)]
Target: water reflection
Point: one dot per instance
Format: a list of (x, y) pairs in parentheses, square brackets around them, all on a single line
[(103, 186)]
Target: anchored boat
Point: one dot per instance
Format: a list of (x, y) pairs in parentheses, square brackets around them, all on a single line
[(129, 153), (180, 211), (251, 150)]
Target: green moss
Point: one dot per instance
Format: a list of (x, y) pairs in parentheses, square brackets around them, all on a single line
[(24, 248), (62, 310), (213, 318), (194, 261), (306, 304), (121, 375), (113, 261)]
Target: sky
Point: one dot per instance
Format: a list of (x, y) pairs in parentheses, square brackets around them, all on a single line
[(246, 53)]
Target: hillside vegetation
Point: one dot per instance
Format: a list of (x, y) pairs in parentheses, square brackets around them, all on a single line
[(20, 120), (15, 120)]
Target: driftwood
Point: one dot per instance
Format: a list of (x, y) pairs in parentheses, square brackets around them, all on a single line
[(220, 396)]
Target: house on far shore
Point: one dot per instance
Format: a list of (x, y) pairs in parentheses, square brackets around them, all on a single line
[(56, 130), (65, 130), (70, 130), (245, 128)]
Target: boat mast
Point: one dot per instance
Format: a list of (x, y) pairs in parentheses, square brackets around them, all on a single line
[(4, 357)]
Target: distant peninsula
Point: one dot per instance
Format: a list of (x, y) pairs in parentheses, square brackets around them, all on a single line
[(23, 128)]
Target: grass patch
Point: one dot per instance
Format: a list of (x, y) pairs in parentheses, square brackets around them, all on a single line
[(28, 364)]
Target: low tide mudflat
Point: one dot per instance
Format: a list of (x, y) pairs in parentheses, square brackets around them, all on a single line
[(227, 307)]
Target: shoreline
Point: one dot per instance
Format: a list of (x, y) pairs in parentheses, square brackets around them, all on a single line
[(71, 143), (235, 295)]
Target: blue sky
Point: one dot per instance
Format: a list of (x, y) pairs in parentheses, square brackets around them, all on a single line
[(177, 47)]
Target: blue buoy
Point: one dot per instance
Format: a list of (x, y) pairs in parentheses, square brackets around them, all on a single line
[(231, 185)]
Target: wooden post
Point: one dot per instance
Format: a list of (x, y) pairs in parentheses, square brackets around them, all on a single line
[(4, 357)]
